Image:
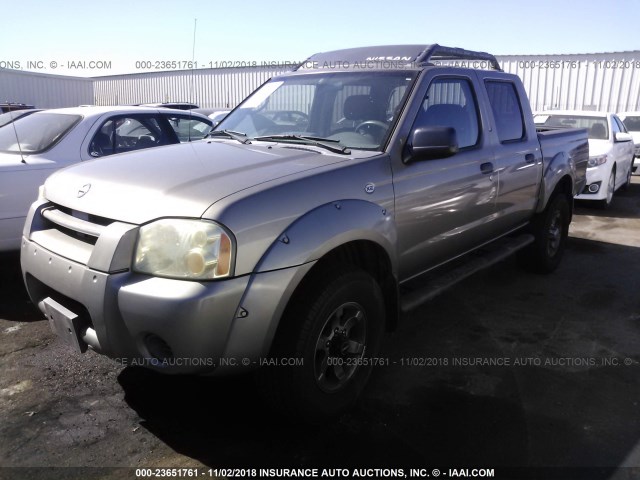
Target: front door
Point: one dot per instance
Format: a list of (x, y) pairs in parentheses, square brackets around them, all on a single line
[(444, 207)]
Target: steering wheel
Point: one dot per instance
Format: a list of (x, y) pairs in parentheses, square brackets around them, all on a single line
[(302, 117), (262, 124), (365, 128)]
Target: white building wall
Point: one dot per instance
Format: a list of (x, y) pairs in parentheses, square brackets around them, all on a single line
[(598, 81), (209, 88), (45, 91)]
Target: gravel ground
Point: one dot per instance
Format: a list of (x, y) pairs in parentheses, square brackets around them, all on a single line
[(568, 395)]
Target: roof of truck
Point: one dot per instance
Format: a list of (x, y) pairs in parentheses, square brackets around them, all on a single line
[(395, 56)]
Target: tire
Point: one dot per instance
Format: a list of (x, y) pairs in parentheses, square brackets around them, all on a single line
[(627, 184), (337, 320), (611, 188), (550, 229)]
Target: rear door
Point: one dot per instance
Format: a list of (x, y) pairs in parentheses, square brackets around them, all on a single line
[(444, 207), (517, 150)]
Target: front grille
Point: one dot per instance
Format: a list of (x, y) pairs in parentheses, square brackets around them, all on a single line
[(68, 233), (101, 243), (78, 225), (84, 216)]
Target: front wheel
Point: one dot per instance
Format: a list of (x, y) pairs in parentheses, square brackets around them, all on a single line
[(550, 229), (627, 183), (611, 188), (333, 330)]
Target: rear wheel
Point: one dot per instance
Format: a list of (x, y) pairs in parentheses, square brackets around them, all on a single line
[(550, 229), (333, 329)]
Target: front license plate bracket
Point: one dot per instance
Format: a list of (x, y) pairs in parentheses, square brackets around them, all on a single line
[(66, 324)]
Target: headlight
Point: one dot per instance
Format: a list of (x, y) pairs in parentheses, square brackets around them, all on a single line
[(178, 248), (595, 161)]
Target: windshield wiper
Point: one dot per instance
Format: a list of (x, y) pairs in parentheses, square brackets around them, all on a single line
[(316, 141), (240, 137)]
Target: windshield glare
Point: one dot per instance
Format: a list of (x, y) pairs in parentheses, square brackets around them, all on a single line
[(355, 109), (7, 118), (37, 132)]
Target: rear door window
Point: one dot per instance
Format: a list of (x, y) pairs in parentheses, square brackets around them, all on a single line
[(507, 112), (127, 133)]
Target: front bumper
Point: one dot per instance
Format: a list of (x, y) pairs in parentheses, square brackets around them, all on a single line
[(173, 326), (595, 176), (131, 313)]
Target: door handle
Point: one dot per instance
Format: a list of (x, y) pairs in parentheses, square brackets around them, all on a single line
[(486, 168), (530, 158)]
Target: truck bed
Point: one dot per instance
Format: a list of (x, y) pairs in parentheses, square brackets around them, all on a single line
[(575, 141)]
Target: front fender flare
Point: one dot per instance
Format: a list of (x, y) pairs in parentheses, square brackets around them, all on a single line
[(326, 227)]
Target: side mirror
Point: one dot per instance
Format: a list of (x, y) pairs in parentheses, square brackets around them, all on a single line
[(429, 143), (623, 137)]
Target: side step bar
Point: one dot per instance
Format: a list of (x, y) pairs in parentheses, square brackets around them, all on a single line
[(487, 256)]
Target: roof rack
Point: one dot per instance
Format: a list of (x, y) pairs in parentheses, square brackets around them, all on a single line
[(437, 52), (400, 55)]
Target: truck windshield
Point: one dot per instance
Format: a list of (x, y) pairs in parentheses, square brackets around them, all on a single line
[(350, 110), (36, 133)]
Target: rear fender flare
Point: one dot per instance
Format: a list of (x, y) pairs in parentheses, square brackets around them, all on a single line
[(559, 167)]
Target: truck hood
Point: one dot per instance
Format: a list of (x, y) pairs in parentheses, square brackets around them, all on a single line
[(176, 181)]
